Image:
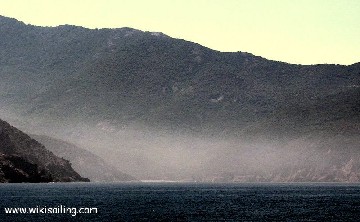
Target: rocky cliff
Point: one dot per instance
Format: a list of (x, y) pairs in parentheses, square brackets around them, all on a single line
[(23, 159)]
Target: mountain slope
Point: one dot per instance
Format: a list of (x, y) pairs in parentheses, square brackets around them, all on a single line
[(84, 162), (158, 107), (15, 169), (127, 76), (22, 159)]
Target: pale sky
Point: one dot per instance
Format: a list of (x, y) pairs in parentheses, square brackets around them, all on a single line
[(295, 31)]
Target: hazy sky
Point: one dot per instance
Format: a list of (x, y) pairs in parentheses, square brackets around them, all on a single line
[(296, 31)]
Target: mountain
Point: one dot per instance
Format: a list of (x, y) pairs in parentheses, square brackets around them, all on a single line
[(162, 108), (127, 76), (84, 162), (23, 159)]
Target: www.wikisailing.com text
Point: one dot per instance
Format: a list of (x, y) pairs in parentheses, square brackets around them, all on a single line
[(73, 211)]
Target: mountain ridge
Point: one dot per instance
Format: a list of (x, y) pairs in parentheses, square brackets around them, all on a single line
[(69, 26)]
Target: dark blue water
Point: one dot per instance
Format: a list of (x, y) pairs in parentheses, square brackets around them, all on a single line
[(186, 202)]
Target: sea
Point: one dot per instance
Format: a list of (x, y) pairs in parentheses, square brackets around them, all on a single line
[(180, 202)]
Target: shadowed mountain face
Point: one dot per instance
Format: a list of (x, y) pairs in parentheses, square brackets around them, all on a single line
[(15, 169), (134, 98), (23, 159), (83, 161)]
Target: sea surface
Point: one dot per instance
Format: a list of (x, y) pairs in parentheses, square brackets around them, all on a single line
[(184, 201)]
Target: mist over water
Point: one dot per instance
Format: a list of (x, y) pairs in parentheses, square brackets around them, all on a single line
[(149, 154)]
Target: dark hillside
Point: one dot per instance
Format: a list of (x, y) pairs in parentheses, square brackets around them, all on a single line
[(23, 159)]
